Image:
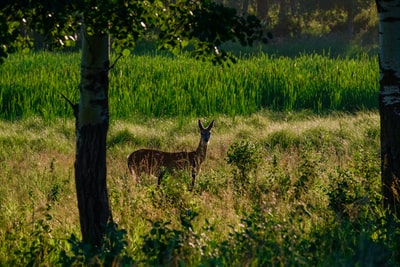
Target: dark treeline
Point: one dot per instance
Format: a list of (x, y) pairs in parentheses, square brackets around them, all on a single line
[(289, 18), (346, 19)]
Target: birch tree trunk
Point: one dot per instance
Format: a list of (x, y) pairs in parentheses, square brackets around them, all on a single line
[(389, 100), (92, 119)]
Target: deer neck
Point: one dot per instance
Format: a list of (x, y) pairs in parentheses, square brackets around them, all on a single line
[(201, 152)]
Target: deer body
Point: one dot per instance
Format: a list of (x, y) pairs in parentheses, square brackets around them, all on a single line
[(157, 163)]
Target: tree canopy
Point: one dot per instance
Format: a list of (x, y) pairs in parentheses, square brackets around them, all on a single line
[(174, 24)]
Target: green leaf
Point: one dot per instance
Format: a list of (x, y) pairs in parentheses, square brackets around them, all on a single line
[(184, 43), (126, 52)]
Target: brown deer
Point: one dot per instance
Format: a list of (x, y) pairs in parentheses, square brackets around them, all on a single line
[(157, 163)]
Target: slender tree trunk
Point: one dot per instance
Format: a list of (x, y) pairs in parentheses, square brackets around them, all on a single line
[(92, 119), (245, 8), (262, 9), (389, 101), (350, 9), (283, 19), (236, 4), (293, 8)]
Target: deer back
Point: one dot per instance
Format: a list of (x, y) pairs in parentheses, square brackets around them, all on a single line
[(152, 162), (155, 162)]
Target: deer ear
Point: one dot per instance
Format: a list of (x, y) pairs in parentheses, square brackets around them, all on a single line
[(210, 126), (200, 125)]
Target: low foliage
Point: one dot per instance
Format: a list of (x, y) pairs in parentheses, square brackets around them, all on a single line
[(245, 156), (312, 197)]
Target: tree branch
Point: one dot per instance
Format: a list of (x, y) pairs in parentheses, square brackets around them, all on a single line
[(75, 107), (115, 62)]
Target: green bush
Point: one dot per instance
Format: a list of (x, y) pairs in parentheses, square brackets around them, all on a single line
[(165, 246), (245, 156)]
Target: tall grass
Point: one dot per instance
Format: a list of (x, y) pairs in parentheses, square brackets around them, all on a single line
[(309, 194), (164, 86), (31, 84)]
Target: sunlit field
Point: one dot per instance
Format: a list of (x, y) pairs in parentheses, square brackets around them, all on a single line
[(160, 85)]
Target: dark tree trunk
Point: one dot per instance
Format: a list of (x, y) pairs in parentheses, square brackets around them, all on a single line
[(91, 132), (245, 8), (390, 153), (350, 10), (389, 101), (262, 9), (236, 4), (283, 26)]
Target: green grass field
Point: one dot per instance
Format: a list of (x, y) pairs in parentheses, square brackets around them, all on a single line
[(292, 176), (173, 87)]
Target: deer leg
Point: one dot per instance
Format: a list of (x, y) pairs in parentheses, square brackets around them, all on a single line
[(194, 173), (160, 176), (193, 179)]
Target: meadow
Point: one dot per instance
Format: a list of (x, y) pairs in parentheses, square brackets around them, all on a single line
[(160, 85), (292, 176)]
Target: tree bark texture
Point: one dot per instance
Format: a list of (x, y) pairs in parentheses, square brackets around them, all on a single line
[(262, 9), (389, 100), (245, 7), (92, 121)]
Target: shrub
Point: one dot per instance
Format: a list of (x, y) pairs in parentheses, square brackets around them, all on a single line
[(245, 156), (165, 246)]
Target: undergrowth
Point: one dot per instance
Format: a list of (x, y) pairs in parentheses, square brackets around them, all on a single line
[(276, 189)]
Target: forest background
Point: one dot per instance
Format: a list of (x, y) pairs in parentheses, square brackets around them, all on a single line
[(342, 22)]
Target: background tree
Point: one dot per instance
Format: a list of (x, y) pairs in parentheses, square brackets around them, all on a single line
[(262, 9), (288, 18), (177, 24), (389, 101)]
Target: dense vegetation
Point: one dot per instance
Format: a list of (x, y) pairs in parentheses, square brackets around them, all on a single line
[(165, 86), (277, 189)]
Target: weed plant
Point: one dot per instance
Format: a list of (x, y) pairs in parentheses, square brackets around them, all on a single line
[(313, 198)]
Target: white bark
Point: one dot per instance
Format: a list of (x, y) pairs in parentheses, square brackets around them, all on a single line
[(95, 61), (389, 50), (92, 120)]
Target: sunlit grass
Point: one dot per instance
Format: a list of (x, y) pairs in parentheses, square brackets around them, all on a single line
[(304, 156), (164, 86)]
